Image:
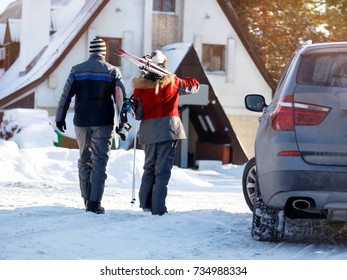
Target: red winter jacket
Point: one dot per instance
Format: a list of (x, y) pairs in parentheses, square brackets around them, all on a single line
[(160, 120)]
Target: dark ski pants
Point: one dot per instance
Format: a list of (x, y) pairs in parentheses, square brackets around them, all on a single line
[(94, 144), (159, 158)]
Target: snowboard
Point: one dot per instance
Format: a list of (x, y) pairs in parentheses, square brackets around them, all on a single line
[(118, 106), (143, 63)]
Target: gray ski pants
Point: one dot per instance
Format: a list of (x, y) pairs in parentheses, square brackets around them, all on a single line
[(94, 144), (159, 158)]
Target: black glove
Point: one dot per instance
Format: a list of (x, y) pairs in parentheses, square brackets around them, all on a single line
[(61, 125)]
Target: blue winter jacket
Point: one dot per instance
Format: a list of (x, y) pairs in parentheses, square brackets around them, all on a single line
[(93, 84)]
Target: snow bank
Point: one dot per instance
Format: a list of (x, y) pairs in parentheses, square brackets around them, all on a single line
[(29, 128)]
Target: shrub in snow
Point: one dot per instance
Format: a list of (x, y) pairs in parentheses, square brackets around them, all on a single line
[(29, 128)]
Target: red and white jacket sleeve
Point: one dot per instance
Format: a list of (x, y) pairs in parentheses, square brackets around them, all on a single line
[(188, 85)]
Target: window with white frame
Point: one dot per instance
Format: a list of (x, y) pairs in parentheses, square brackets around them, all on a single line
[(213, 57), (164, 5)]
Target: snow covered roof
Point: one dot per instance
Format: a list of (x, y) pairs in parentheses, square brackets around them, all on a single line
[(13, 10), (15, 29), (60, 43), (14, 26), (63, 12), (175, 54)]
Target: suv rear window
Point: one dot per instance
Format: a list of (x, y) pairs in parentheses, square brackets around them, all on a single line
[(323, 69)]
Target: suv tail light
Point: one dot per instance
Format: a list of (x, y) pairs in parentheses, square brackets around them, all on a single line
[(289, 153), (289, 113)]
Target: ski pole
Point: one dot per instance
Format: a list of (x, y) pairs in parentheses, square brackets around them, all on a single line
[(134, 165)]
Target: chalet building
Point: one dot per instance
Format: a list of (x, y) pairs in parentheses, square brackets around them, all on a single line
[(41, 40), (9, 36)]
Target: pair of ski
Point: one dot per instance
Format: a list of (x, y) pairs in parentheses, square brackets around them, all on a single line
[(144, 64)]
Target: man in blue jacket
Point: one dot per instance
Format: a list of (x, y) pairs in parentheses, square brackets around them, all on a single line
[(93, 83)]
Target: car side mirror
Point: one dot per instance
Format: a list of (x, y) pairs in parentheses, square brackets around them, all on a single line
[(255, 102)]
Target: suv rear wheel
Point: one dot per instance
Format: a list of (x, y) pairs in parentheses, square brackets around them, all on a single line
[(268, 223), (249, 178)]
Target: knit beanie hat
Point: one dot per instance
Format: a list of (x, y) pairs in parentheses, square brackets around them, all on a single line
[(97, 46)]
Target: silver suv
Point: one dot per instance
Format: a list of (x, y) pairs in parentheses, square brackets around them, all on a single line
[(300, 164)]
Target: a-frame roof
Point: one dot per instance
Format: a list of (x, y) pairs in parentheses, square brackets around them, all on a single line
[(183, 60), (234, 20)]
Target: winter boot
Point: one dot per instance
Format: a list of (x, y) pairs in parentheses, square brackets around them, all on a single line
[(95, 207)]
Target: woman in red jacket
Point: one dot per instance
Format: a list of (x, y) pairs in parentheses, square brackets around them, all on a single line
[(160, 129)]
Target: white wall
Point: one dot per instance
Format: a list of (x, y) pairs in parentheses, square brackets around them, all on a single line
[(245, 77), (49, 92)]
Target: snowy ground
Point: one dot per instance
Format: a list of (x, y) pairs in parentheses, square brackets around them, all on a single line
[(42, 217)]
